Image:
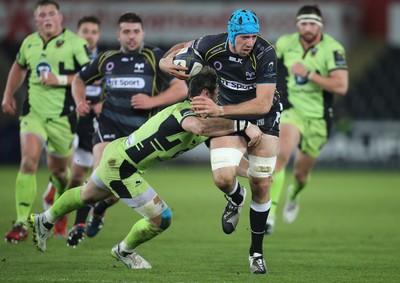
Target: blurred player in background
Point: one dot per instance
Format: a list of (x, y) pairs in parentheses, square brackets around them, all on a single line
[(175, 129), (315, 67), (135, 90), (51, 57), (246, 67), (88, 28)]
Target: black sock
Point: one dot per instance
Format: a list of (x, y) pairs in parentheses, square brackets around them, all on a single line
[(237, 197), (100, 207), (48, 225), (257, 226), (81, 214)]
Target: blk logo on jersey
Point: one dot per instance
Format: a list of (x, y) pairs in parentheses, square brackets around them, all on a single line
[(234, 59)]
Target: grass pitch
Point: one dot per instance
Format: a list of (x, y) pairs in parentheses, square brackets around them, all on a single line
[(347, 231)]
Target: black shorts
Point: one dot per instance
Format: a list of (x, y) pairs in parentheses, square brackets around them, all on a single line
[(108, 130), (268, 124), (85, 131)]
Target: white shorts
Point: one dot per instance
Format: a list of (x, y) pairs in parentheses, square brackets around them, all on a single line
[(83, 158)]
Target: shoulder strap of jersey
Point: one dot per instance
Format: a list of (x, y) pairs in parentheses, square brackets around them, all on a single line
[(149, 54)]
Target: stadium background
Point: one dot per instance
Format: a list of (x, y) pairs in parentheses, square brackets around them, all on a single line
[(366, 133)]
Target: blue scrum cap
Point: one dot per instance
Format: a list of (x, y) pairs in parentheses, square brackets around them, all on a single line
[(242, 22)]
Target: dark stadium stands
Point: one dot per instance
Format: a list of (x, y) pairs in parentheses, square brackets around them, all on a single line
[(376, 94)]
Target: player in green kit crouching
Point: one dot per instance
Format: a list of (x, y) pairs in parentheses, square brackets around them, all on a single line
[(172, 131), (316, 70)]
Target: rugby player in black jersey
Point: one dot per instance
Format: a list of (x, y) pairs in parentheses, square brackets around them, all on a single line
[(135, 89), (246, 67)]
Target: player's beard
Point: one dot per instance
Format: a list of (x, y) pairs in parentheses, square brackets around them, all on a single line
[(309, 37)]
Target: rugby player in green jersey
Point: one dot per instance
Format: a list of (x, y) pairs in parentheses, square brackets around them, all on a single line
[(316, 70), (88, 27), (51, 57), (169, 133)]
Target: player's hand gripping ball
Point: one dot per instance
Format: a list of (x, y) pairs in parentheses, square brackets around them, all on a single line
[(190, 58)]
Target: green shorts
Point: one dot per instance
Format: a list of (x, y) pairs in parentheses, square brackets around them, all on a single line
[(118, 175), (57, 133), (314, 132)]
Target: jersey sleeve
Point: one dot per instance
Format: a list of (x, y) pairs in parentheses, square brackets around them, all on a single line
[(182, 112), (280, 45), (81, 52), (336, 57), (204, 44), (92, 71), (266, 66), (21, 57), (159, 53)]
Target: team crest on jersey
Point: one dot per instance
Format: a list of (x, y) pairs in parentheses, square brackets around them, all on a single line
[(300, 80), (59, 43), (43, 67), (339, 58), (139, 68)]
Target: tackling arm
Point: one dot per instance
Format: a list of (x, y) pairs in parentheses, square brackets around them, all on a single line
[(213, 127), (261, 104), (177, 91)]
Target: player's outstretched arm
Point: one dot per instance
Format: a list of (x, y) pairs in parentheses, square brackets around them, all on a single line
[(261, 104)]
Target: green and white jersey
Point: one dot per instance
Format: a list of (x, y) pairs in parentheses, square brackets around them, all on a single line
[(64, 54), (160, 138), (308, 98)]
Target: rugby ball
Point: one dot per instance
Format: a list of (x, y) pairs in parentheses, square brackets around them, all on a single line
[(190, 58)]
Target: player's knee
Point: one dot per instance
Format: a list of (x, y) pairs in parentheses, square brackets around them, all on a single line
[(28, 165), (261, 167), (224, 181), (166, 219), (223, 163)]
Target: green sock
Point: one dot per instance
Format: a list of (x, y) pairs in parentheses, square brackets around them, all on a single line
[(25, 193), (297, 188), (142, 231), (60, 185), (275, 190), (67, 202)]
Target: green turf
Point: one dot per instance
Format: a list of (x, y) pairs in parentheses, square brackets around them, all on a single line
[(347, 231)]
